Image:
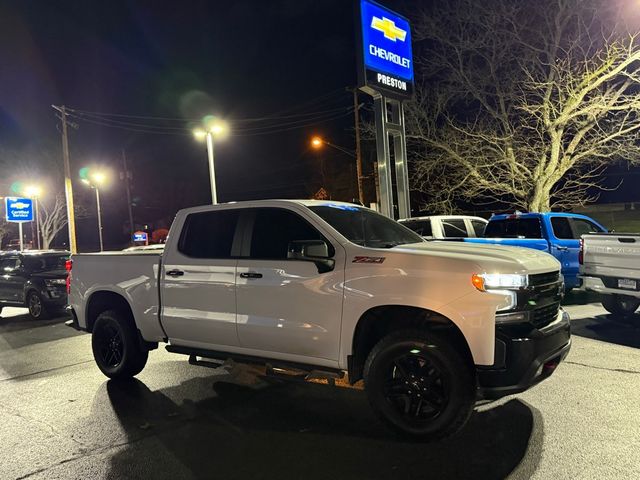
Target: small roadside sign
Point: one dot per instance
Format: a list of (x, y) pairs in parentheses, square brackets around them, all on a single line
[(141, 237)]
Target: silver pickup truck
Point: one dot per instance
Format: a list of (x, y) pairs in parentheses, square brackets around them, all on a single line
[(610, 265), (332, 290)]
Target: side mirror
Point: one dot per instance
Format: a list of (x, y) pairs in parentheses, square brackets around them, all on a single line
[(316, 251)]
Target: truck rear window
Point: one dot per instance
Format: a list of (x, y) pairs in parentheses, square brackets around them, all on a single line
[(514, 228), (208, 234)]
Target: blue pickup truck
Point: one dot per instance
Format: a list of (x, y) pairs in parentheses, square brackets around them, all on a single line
[(556, 233)]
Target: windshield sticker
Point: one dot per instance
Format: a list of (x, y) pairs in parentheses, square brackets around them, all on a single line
[(368, 259)]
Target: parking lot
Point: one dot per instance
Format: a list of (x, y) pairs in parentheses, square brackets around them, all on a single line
[(61, 418)]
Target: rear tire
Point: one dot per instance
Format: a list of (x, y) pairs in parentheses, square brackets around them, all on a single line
[(622, 305), (36, 307), (116, 347), (419, 385)]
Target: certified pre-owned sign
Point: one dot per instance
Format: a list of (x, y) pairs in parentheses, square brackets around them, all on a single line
[(387, 61), (19, 209)]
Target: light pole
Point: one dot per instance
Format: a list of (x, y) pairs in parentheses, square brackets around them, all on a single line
[(95, 180), (34, 192), (213, 128)]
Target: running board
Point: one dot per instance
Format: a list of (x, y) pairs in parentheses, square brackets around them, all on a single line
[(274, 368)]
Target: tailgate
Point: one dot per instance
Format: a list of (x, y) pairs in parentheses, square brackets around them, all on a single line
[(613, 255)]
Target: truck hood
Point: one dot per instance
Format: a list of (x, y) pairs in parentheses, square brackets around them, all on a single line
[(490, 258)]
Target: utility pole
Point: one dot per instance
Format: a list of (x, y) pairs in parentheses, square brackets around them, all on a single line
[(68, 188), (127, 177), (356, 112)]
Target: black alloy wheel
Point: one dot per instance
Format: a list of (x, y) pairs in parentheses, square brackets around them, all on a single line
[(116, 346), (110, 346), (416, 387), (420, 384)]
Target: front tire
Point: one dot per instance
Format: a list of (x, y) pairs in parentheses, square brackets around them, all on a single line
[(115, 346), (419, 385), (36, 307), (620, 304)]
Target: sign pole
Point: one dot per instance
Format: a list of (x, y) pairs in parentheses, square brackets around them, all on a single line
[(21, 239), (385, 71)]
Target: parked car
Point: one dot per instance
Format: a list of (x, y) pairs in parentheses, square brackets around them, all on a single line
[(611, 267), (555, 233), (331, 288), (446, 226), (34, 279)]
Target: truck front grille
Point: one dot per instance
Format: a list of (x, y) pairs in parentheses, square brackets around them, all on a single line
[(543, 316), (543, 278)]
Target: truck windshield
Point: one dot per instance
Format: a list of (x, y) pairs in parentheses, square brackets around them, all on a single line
[(514, 228), (365, 227), (46, 263)]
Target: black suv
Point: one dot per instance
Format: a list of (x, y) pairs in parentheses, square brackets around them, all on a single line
[(36, 280)]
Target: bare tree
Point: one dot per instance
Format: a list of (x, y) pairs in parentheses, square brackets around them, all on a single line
[(52, 219), (522, 103)]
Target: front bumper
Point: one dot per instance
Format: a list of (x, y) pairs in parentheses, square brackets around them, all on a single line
[(524, 356), (607, 285)]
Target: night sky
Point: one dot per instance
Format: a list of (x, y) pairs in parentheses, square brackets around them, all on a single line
[(241, 60), (245, 61)]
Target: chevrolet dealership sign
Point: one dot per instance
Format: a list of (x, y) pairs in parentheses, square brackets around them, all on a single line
[(18, 209), (386, 57)]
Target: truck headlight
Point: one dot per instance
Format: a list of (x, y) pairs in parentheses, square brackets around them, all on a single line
[(490, 281), (55, 282)]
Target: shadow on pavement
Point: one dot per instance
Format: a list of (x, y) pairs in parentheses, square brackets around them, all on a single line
[(609, 328), (21, 330), (292, 430)]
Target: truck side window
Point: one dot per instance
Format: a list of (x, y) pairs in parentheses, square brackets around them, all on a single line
[(582, 227), (478, 227), (421, 227), (274, 228), (514, 228), (561, 228), (208, 234), (454, 228)]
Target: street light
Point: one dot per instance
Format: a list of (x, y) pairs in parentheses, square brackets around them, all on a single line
[(318, 142), (33, 191), (212, 128), (96, 179)]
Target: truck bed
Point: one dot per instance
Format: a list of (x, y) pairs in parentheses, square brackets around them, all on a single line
[(133, 275)]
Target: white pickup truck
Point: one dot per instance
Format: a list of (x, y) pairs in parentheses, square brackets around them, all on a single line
[(331, 288), (610, 265)]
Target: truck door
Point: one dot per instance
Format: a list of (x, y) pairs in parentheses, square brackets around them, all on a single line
[(287, 306), (198, 278)]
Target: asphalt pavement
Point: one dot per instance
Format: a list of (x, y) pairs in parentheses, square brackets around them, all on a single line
[(61, 418)]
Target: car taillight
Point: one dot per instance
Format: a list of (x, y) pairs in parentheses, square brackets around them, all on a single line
[(581, 253), (68, 265)]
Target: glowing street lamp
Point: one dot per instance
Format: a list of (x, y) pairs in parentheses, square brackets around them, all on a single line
[(212, 128), (33, 191), (95, 179)]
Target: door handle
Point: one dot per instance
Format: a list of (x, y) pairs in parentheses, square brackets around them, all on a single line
[(562, 248), (175, 273), (250, 275)]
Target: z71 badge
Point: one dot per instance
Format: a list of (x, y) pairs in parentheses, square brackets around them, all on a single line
[(368, 259)]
